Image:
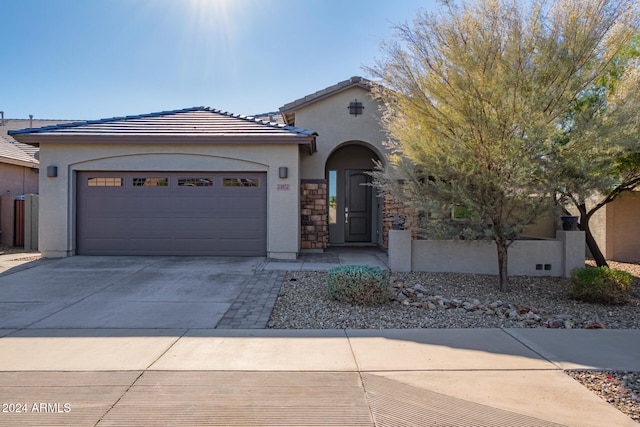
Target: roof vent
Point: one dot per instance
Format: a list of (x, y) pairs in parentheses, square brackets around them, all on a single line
[(1, 118), (30, 120), (355, 108)]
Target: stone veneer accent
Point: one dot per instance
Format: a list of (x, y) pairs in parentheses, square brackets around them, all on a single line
[(313, 214), (391, 207)]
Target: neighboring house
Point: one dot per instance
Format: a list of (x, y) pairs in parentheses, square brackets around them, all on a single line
[(200, 181), (18, 163), (616, 228), (19, 168)]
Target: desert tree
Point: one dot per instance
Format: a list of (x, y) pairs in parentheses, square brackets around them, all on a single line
[(474, 94), (597, 155)]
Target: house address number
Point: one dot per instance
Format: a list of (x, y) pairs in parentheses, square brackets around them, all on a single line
[(283, 187)]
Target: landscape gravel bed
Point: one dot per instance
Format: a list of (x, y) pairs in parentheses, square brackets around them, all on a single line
[(439, 300), (619, 388), (446, 300)]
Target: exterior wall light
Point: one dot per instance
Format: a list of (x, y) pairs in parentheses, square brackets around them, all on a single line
[(52, 171), (283, 172)]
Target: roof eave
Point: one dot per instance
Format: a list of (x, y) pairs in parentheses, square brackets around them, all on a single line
[(36, 139), (27, 164), (290, 107)]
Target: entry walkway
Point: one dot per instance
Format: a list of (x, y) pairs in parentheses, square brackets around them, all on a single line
[(472, 377), (332, 257)]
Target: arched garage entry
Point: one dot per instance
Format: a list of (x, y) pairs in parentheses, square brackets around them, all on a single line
[(354, 209)]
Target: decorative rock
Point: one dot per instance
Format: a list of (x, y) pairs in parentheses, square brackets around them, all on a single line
[(469, 306), (593, 325), (562, 317), (419, 288), (568, 324)]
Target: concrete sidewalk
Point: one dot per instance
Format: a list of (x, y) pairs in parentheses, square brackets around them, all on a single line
[(497, 377)]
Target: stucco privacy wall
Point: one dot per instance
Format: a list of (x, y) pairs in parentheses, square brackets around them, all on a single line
[(335, 126), (58, 194), (544, 257)]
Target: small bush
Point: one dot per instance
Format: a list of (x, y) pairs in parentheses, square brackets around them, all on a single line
[(358, 284), (600, 285)]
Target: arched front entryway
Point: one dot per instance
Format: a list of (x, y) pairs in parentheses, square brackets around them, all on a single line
[(354, 208)]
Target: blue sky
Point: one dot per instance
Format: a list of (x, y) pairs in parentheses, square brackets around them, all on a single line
[(90, 59)]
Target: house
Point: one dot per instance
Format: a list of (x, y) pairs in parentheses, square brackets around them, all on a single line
[(18, 163), (200, 181), (616, 228), (19, 169)]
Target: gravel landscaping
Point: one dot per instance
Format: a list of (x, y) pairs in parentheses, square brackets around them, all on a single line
[(443, 300)]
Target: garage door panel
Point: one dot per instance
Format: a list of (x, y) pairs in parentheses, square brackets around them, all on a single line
[(102, 246), (160, 203), (93, 206), (180, 220), (97, 228), (152, 245), (239, 228), (155, 227)]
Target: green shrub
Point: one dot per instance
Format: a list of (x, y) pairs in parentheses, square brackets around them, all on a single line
[(600, 285), (358, 284)]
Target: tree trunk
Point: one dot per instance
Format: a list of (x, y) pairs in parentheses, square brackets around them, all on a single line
[(583, 225), (503, 266)]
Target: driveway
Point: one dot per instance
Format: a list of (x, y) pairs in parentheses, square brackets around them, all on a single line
[(123, 292)]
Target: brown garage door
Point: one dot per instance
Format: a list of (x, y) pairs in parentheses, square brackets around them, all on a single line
[(171, 213)]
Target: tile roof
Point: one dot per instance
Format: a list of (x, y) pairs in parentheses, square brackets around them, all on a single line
[(271, 116), (10, 153), (289, 108), (14, 152), (196, 121)]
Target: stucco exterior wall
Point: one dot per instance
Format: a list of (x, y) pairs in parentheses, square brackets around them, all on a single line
[(58, 195), (623, 228), (17, 180), (335, 126)]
